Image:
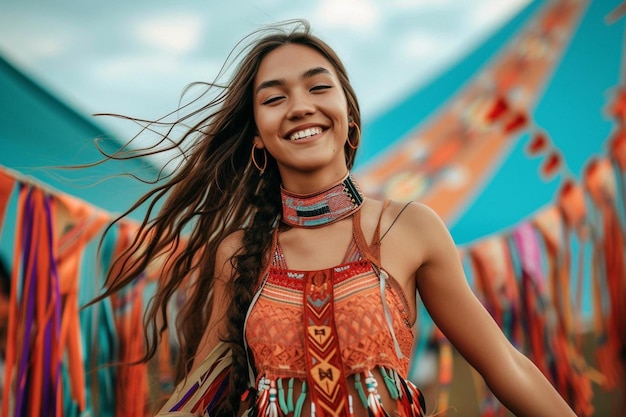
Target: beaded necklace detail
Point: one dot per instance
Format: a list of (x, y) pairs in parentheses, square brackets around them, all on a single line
[(326, 207)]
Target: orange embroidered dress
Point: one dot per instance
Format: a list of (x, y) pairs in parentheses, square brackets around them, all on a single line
[(326, 343), (333, 342)]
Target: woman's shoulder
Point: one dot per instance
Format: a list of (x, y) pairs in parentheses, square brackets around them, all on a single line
[(408, 226), (405, 215), (417, 227), (410, 234), (232, 242), (230, 246)]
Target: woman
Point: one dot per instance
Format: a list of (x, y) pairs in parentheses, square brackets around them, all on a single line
[(300, 291)]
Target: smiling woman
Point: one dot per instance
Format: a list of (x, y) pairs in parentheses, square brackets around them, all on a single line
[(300, 292)]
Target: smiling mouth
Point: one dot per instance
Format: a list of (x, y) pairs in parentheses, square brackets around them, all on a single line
[(306, 133)]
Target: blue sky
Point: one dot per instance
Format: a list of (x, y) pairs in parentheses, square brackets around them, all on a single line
[(135, 57)]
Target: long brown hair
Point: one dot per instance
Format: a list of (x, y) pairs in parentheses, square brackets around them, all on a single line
[(214, 193)]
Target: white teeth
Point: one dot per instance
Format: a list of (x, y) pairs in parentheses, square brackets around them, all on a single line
[(305, 133)]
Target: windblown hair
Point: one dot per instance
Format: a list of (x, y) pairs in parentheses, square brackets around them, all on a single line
[(214, 193)]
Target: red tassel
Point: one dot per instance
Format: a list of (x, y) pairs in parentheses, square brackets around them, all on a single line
[(518, 121), (551, 165), (571, 201), (611, 328), (618, 107), (498, 109), (538, 144), (617, 147)]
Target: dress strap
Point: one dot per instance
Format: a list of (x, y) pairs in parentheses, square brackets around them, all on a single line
[(394, 220), (369, 251), (277, 257), (375, 245)]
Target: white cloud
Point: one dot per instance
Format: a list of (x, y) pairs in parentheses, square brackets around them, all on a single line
[(135, 65), (421, 44), (44, 47), (176, 34), (359, 15), (31, 41), (138, 75), (489, 13), (32, 51)]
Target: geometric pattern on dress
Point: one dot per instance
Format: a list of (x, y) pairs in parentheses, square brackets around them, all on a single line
[(275, 326), (329, 390), (363, 331), (277, 345)]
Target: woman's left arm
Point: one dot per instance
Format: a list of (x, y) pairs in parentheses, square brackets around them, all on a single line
[(444, 290)]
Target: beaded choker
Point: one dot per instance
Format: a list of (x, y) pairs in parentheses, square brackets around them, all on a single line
[(319, 209)]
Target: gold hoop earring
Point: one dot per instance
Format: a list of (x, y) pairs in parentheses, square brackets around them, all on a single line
[(352, 124), (261, 169)]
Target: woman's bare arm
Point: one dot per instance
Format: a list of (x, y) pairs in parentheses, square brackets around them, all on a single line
[(443, 288), (221, 297)]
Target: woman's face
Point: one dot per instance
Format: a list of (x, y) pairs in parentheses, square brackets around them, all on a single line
[(301, 114)]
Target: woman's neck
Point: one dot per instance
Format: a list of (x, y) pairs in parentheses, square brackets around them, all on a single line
[(311, 183)]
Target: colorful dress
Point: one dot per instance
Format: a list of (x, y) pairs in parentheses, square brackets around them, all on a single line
[(333, 342)]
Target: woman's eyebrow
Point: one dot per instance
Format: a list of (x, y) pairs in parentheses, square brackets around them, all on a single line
[(306, 74), (315, 71)]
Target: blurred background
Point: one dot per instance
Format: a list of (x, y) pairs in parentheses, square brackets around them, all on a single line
[(489, 111), (135, 58)]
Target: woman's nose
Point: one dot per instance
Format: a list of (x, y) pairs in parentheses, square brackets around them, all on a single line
[(300, 105)]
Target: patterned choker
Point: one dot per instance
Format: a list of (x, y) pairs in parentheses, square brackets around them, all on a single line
[(326, 207)]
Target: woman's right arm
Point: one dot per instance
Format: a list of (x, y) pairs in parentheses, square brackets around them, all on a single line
[(221, 297), (188, 395)]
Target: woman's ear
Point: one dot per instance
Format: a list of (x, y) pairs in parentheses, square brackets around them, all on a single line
[(258, 143)]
